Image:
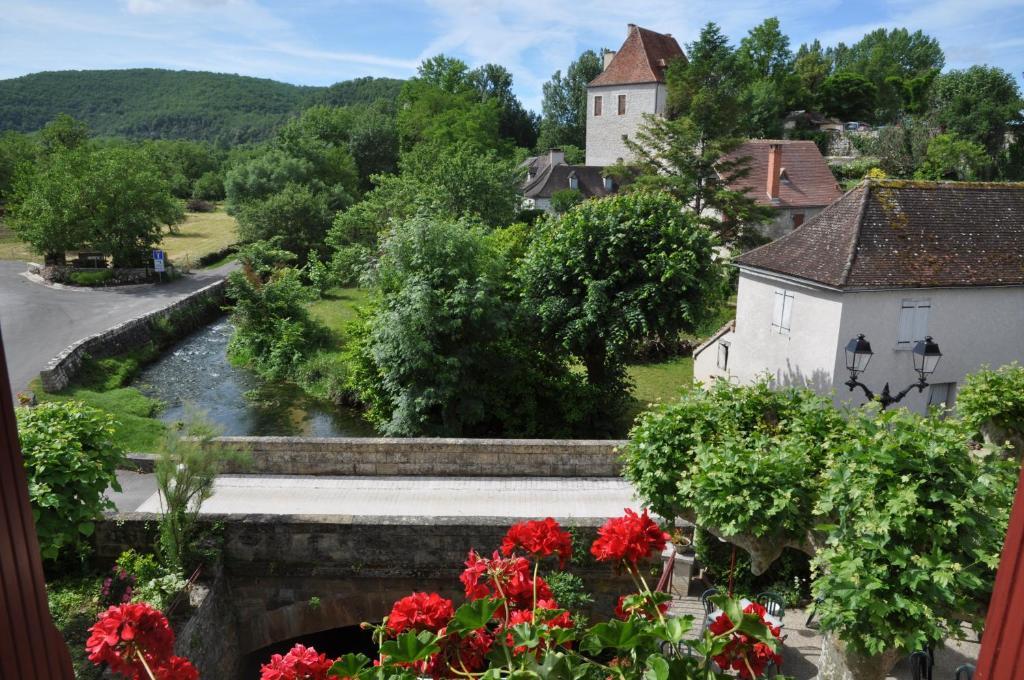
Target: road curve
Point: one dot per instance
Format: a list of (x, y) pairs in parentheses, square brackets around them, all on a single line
[(38, 321)]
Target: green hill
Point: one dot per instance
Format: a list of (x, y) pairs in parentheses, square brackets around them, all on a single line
[(158, 103)]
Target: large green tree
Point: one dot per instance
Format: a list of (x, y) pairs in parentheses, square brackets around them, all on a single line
[(848, 95), (114, 200), (18, 153), (443, 352), (565, 103), (609, 273), (981, 104), (949, 157)]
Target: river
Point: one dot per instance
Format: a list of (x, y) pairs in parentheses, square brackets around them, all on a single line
[(195, 374)]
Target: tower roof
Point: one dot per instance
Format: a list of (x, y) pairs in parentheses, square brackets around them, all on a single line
[(641, 59)]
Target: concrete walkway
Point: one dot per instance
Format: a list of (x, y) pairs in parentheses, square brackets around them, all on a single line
[(38, 321), (402, 496)]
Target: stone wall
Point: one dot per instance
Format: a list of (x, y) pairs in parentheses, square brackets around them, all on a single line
[(423, 456), (209, 638), (182, 317), (355, 566)]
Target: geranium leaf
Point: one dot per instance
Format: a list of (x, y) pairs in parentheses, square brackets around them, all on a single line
[(410, 647), (348, 666), (474, 615)]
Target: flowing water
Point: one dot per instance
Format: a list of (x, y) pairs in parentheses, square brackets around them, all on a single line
[(195, 374)]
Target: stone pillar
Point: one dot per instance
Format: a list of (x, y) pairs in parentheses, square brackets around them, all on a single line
[(839, 663)]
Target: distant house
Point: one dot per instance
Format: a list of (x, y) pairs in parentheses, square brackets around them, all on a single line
[(549, 174), (632, 84), (896, 261), (789, 175)]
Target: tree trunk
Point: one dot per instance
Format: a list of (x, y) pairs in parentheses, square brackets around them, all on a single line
[(839, 663)]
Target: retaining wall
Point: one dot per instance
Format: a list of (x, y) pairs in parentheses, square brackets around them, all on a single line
[(383, 456), (184, 316)]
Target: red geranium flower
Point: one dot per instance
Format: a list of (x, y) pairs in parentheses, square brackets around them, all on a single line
[(420, 611), (175, 668), (123, 632), (743, 653), (631, 538), (510, 578), (300, 663), (467, 652), (540, 538)]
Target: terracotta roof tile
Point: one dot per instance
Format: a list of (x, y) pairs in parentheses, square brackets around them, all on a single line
[(904, 234), (808, 181), (641, 59)]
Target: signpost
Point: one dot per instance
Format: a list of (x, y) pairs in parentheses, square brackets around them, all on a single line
[(158, 263)]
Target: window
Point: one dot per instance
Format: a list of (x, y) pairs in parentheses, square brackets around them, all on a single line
[(913, 323), (574, 182), (609, 184), (798, 219), (783, 311), (597, 106), (942, 394), (622, 104), (723, 355)]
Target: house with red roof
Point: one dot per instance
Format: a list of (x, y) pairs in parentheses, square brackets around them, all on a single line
[(789, 175), (897, 261), (632, 84)]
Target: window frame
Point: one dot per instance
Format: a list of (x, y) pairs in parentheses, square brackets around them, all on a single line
[(598, 105), (621, 105), (723, 345)]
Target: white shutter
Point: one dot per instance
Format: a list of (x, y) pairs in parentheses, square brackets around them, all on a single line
[(921, 319), (913, 324), (782, 312), (787, 311)]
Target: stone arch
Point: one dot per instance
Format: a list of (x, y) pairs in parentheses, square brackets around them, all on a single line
[(359, 600)]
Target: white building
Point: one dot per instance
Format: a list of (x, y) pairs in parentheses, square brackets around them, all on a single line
[(896, 261), (632, 84)]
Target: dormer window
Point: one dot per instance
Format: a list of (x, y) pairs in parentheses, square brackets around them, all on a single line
[(574, 182), (783, 176), (609, 184)]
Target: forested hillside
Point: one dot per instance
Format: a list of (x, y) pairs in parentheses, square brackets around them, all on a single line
[(157, 103)]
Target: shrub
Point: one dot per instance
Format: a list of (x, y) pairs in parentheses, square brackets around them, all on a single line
[(71, 458), (97, 278), (209, 187), (199, 205), (992, 402)]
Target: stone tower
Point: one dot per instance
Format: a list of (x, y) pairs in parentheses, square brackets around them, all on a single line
[(631, 84)]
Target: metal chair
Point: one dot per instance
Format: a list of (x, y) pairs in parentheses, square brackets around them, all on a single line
[(965, 672), (810, 617), (772, 603), (709, 606), (922, 663)]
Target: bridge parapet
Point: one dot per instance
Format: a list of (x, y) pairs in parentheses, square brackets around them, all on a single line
[(383, 456)]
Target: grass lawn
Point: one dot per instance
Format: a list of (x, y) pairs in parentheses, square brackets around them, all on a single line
[(11, 248), (661, 381), (200, 234), (337, 307)]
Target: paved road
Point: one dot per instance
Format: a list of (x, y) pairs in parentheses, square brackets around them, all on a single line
[(39, 321), (399, 496)]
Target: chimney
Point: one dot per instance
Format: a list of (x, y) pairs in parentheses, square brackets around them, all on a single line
[(556, 157), (608, 56), (630, 28), (774, 170)]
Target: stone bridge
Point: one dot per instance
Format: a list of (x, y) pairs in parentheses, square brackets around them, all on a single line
[(327, 533)]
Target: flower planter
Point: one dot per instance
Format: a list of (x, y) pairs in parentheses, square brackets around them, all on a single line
[(839, 663)]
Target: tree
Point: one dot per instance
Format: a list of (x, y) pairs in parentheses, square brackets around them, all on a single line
[(900, 148), (949, 157), (63, 133), (896, 62), (771, 86), (443, 352), (564, 200), (707, 87), (764, 52), (848, 96), (514, 122), (678, 157), (811, 67), (565, 103), (113, 199), (611, 272), (18, 153), (71, 455), (903, 514), (274, 332), (980, 104), (297, 217)]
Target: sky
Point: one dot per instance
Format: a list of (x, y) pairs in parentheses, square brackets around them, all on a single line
[(319, 42)]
